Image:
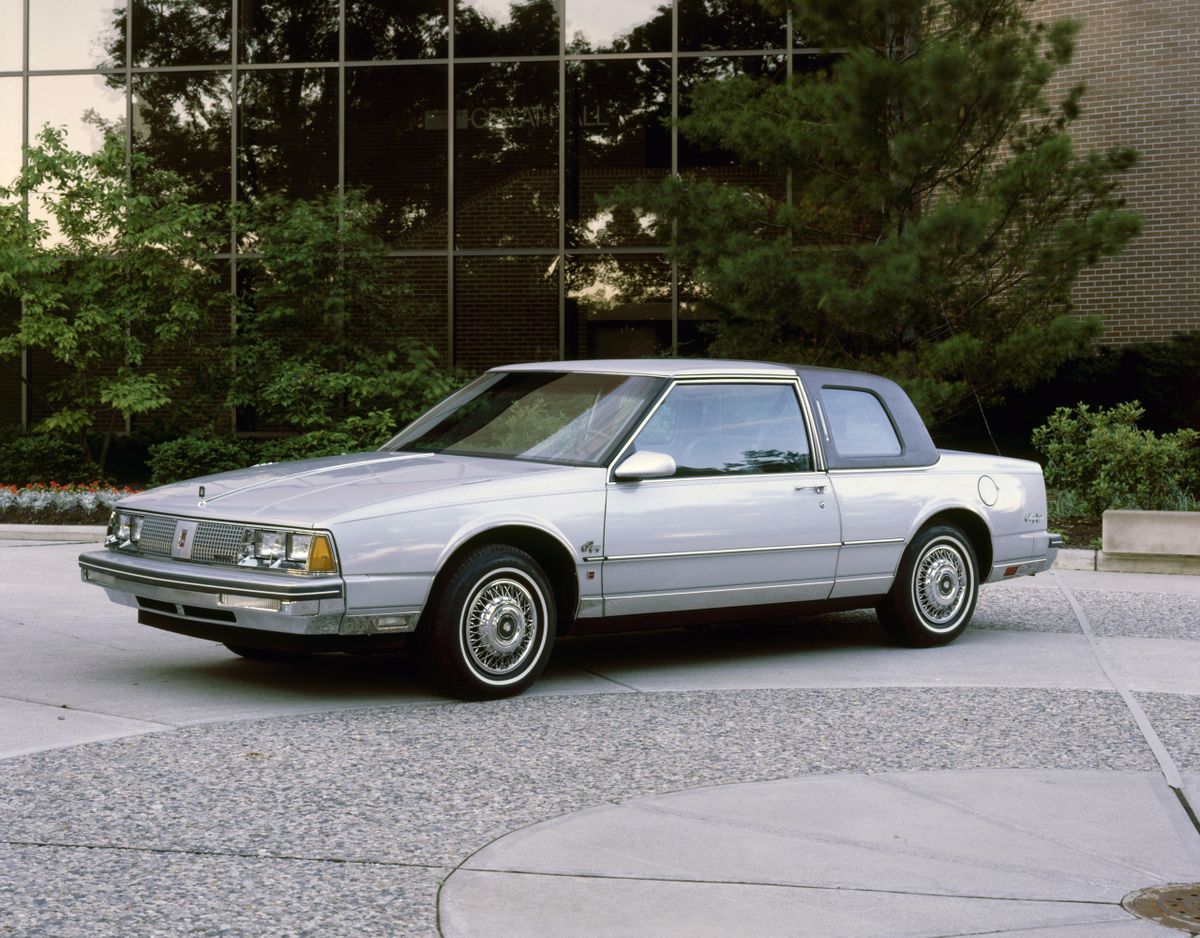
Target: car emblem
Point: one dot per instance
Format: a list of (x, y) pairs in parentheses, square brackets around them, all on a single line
[(184, 540)]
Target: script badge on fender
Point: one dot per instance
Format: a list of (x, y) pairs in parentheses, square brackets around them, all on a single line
[(181, 543)]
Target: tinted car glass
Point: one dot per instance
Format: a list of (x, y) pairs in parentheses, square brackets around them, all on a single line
[(859, 424), (729, 429), (542, 416)]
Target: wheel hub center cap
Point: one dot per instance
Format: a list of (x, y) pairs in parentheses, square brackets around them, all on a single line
[(502, 626), (942, 584)]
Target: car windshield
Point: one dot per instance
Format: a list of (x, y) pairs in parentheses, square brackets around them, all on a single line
[(547, 416)]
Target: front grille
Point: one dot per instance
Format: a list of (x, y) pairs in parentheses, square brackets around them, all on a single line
[(157, 532), (213, 542)]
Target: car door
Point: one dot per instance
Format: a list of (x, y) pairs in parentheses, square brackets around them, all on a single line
[(747, 518)]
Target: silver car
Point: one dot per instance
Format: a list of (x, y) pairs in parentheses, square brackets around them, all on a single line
[(583, 496)]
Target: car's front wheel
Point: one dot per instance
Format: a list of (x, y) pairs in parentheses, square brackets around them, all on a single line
[(933, 598), (491, 626)]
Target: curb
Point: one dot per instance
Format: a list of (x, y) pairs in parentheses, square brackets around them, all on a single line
[(1075, 559), (77, 533)]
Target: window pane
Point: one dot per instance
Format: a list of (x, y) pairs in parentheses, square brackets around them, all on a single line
[(698, 317), (76, 34), (730, 430), (618, 306), (396, 148), (728, 24), (617, 134), (506, 164), (505, 310), (286, 31), (181, 121), (703, 159), (11, 13), (88, 106), (10, 129), (424, 314), (395, 29), (287, 132), (505, 27), (618, 26), (551, 416), (858, 423), (183, 32)]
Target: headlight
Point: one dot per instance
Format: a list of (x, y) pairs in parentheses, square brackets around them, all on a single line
[(287, 550), (124, 530)]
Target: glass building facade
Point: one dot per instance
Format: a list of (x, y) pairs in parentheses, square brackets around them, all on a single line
[(492, 133)]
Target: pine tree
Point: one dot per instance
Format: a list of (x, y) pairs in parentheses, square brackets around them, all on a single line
[(939, 213)]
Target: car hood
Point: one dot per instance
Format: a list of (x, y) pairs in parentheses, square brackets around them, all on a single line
[(316, 491)]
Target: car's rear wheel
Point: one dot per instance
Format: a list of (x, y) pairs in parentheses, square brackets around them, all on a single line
[(491, 625), (933, 598)]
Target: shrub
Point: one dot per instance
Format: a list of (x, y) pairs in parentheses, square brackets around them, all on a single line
[(197, 455), (1096, 460), (352, 435), (34, 457)]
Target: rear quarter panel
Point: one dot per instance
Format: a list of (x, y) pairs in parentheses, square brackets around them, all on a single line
[(882, 510)]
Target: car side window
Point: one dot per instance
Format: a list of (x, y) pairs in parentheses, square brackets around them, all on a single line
[(729, 429), (859, 424)]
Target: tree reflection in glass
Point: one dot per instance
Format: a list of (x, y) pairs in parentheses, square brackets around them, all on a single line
[(618, 306), (506, 159), (287, 132), (181, 121), (395, 29), (286, 31), (618, 26), (486, 28), (396, 148), (618, 132)]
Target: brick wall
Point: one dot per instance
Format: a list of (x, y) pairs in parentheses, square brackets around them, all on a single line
[(1141, 62)]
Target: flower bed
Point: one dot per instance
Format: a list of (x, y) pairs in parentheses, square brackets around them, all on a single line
[(52, 503)]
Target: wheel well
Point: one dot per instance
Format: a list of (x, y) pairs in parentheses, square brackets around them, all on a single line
[(547, 550), (976, 530)]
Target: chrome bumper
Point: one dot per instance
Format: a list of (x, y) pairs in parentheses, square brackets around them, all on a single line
[(200, 599)]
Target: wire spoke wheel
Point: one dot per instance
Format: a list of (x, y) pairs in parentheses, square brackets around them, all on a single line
[(501, 626), (933, 597), (492, 625), (940, 584)]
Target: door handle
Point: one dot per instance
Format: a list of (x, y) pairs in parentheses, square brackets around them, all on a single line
[(819, 489)]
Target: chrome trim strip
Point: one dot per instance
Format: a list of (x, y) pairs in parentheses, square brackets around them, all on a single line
[(882, 540), (713, 553), (748, 588), (285, 591)]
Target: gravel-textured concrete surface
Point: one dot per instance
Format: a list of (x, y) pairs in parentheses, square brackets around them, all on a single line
[(1025, 610), (333, 796), (426, 786), (1142, 615), (70, 892), (1176, 719)]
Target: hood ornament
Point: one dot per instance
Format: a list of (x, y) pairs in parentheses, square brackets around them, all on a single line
[(202, 502)]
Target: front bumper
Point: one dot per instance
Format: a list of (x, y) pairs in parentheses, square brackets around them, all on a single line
[(219, 603)]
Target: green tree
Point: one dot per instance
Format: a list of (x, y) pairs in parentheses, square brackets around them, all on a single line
[(107, 280), (939, 213), (324, 342)]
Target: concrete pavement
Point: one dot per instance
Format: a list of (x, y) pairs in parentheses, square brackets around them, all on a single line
[(797, 778)]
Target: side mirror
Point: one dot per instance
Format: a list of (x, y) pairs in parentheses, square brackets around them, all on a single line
[(645, 465)]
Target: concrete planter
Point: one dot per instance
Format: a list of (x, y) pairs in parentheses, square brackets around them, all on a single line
[(1150, 542)]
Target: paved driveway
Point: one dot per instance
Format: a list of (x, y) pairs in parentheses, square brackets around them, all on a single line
[(798, 778)]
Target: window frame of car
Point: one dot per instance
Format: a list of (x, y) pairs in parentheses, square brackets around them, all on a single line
[(806, 415)]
